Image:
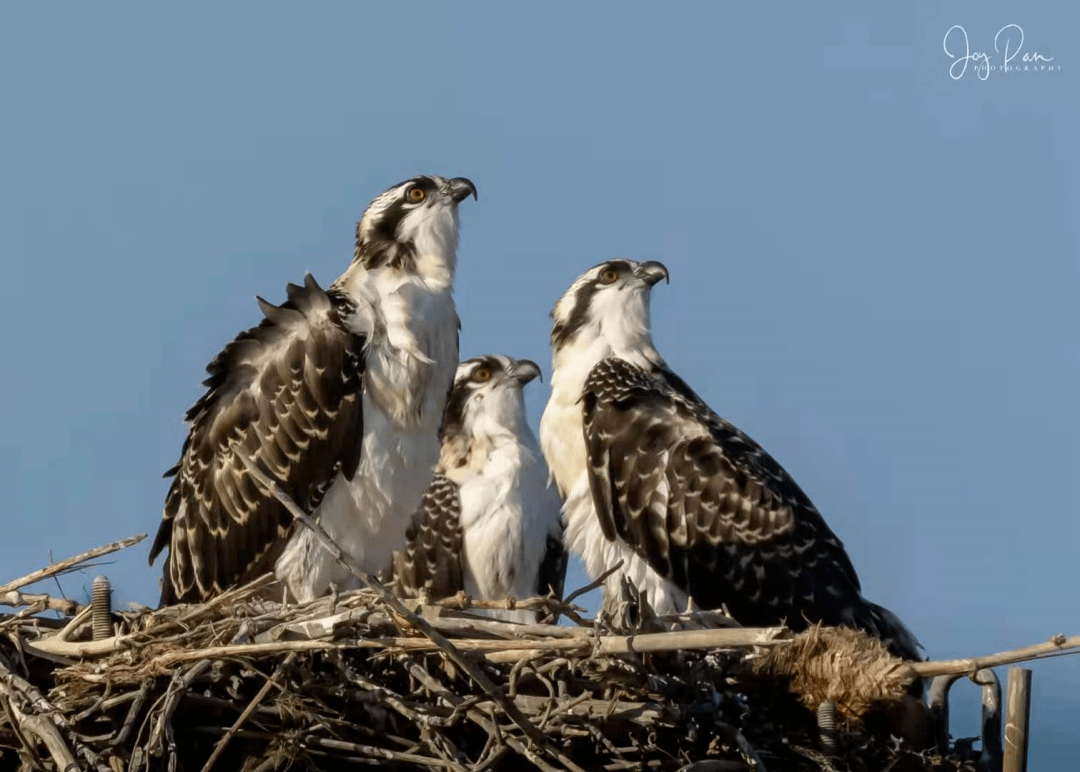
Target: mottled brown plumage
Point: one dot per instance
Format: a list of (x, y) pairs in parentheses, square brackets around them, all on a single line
[(712, 512), (431, 560), (267, 397)]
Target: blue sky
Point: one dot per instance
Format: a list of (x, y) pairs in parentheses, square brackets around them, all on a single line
[(874, 266)]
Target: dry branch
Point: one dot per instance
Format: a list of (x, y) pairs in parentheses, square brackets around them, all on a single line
[(46, 731), (1054, 647), (14, 598), (68, 564), (259, 697)]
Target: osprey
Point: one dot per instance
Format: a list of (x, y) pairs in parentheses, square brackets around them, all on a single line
[(696, 510), (489, 523), (337, 396)]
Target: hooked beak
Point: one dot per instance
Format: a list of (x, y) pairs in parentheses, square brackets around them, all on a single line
[(652, 272), (460, 188), (525, 370)]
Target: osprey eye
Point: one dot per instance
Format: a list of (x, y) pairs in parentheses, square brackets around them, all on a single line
[(415, 195), (482, 374), (609, 276)]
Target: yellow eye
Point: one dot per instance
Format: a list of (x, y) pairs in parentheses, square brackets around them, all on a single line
[(609, 276), (416, 195), (482, 374)]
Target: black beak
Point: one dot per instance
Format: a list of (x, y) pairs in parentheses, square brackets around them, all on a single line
[(525, 370), (461, 188), (652, 272)]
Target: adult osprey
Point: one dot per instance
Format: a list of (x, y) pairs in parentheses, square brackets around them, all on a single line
[(653, 477), (337, 395), (489, 524)]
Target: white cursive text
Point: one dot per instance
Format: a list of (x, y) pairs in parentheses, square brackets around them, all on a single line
[(1007, 42)]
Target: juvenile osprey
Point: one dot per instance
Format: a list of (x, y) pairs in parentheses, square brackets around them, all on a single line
[(489, 523), (652, 476), (337, 395)]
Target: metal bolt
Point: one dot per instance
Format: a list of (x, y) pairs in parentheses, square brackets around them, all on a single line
[(102, 608), (826, 721)]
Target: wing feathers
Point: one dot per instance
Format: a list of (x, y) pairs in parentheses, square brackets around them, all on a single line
[(287, 395), (431, 560), (710, 510)]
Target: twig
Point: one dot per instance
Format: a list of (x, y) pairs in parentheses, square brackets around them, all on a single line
[(14, 598), (510, 630), (462, 601), (46, 731), (416, 621), (17, 730), (17, 686), (69, 629), (163, 726), (513, 656), (57, 646), (245, 649), (593, 585), (1056, 646), (675, 640), (609, 710), (497, 650), (219, 747), (132, 715), (509, 649), (70, 563), (519, 747), (370, 751)]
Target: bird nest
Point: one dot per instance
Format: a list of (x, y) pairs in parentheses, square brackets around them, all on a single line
[(245, 683)]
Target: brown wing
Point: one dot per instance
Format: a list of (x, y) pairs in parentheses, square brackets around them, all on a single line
[(712, 512), (287, 394), (431, 560)]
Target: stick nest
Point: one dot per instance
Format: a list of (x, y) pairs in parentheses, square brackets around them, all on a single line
[(245, 683)]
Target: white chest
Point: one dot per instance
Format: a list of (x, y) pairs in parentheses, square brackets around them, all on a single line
[(508, 512), (561, 427), (584, 537), (409, 367)]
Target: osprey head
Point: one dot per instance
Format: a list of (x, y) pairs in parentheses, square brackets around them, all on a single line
[(609, 302), (411, 223), (486, 400)]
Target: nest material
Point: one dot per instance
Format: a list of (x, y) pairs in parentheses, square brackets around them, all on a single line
[(847, 666), (248, 684)]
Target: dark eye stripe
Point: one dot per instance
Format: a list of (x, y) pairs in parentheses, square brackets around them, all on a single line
[(393, 214), (378, 246), (563, 331), (425, 184), (491, 362), (464, 386)]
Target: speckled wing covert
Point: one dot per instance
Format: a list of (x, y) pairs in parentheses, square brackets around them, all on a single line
[(431, 560), (712, 512), (287, 394)]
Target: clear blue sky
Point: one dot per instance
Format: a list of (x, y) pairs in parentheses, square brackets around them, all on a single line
[(874, 266)]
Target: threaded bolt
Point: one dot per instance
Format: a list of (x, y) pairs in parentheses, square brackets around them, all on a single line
[(102, 608), (826, 721)]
